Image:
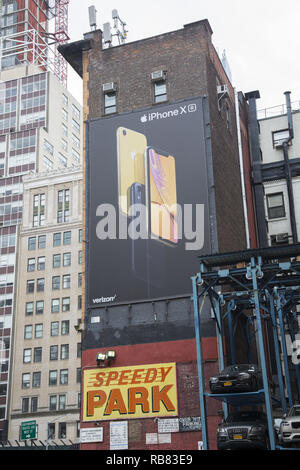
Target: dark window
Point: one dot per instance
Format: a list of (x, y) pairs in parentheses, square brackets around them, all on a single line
[(160, 91), (110, 103), (275, 204)]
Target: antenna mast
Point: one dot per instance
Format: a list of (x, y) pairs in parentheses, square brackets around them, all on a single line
[(61, 37), (121, 34)]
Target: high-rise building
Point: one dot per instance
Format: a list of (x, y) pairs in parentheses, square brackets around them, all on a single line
[(23, 31), (172, 102), (46, 373), (40, 131)]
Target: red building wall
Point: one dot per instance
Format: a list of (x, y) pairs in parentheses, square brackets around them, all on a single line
[(183, 353)]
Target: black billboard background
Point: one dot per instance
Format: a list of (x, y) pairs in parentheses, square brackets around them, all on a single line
[(179, 131)]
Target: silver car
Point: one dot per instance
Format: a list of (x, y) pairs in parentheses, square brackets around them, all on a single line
[(290, 426)]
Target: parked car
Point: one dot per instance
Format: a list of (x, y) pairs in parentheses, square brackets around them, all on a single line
[(244, 429), (237, 378), (289, 431)]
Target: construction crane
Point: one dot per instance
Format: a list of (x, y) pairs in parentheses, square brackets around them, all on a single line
[(61, 13)]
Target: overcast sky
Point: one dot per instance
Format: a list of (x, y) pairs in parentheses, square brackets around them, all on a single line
[(260, 37)]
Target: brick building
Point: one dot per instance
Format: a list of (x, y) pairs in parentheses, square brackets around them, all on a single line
[(158, 331)]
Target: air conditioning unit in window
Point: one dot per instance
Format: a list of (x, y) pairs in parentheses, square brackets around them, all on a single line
[(282, 238), (223, 90), (108, 87), (158, 75)]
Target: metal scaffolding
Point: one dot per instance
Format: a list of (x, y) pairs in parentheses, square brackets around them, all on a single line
[(263, 285)]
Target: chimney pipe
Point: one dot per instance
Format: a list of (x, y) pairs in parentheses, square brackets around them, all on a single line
[(289, 113)]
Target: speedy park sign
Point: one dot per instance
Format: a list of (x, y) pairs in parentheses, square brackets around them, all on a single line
[(130, 392)]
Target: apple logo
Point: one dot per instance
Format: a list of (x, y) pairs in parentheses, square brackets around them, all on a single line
[(144, 118)]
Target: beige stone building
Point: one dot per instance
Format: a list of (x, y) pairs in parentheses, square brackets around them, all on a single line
[(46, 374)]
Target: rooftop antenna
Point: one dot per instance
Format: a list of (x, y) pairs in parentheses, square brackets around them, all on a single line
[(93, 17), (107, 36), (121, 34)]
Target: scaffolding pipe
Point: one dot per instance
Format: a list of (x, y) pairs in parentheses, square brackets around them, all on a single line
[(200, 365), (262, 354)]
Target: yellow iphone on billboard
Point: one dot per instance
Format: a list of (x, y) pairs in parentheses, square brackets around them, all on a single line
[(161, 195), (131, 147)]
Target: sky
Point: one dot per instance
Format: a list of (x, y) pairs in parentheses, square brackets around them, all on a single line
[(260, 37)]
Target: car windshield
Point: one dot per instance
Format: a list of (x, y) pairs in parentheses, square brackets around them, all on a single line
[(241, 367), (295, 411), (243, 417)]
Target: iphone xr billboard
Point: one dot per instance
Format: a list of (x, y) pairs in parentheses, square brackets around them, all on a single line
[(147, 203)]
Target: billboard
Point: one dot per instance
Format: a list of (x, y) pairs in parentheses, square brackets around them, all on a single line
[(147, 203), (130, 392)]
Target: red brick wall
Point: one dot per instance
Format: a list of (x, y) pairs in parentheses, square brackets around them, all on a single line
[(184, 354)]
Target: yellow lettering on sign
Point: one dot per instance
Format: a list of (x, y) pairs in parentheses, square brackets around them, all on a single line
[(130, 392)]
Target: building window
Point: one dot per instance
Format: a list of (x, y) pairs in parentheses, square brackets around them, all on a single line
[(80, 235), (56, 239), (54, 328), (64, 351), (25, 405), (29, 308), (62, 399), (34, 404), (31, 243), (64, 130), (79, 279), (75, 155), (41, 263), (25, 380), (52, 407), (55, 282), (27, 356), (64, 145), (63, 206), (40, 283), (39, 308), (36, 379), (80, 257), (30, 286), (66, 304), (75, 141), (63, 376), (67, 259), (52, 377), (62, 430), (39, 210), (75, 125), (42, 241), (78, 375), (55, 306), (54, 352), (160, 91), (37, 355), (51, 427), (38, 330), (30, 264), (66, 281), (110, 102), (75, 111), (48, 147), (28, 332), (65, 327), (67, 238), (56, 260), (78, 350), (65, 100), (62, 159), (275, 205)]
